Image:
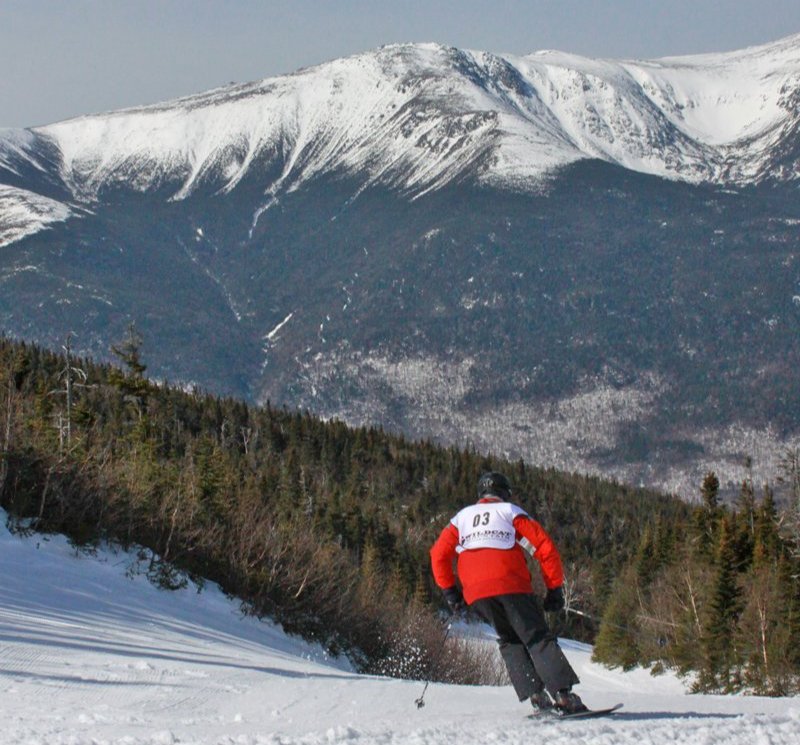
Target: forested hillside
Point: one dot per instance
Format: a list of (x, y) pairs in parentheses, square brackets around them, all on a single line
[(323, 527), (717, 595), (420, 236)]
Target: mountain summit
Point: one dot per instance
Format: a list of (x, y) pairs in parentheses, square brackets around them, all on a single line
[(418, 116), (540, 255)]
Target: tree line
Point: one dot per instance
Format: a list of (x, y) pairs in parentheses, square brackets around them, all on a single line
[(716, 595), (323, 527)]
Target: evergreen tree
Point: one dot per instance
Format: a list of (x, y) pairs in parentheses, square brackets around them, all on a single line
[(767, 541), (710, 492), (744, 527), (132, 384), (646, 561), (706, 517), (616, 643), (720, 661)]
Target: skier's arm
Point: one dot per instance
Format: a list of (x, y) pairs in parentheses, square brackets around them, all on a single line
[(442, 554), (545, 551)]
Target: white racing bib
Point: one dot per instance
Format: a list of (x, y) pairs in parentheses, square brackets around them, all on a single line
[(487, 525)]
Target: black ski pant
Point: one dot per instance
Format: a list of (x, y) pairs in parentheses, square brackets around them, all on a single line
[(528, 647)]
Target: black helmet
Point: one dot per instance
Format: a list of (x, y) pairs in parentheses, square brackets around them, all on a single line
[(494, 483)]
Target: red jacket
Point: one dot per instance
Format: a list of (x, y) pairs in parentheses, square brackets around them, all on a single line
[(486, 538)]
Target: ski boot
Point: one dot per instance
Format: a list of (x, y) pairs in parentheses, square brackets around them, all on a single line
[(567, 702), (541, 701)]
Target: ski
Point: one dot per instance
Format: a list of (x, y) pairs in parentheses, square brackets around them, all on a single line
[(588, 714)]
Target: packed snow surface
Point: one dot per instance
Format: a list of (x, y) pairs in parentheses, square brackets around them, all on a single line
[(90, 652)]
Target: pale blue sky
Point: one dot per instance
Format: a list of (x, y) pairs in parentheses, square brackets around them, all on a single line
[(64, 58)]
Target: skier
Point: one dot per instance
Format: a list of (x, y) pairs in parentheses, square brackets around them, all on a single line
[(488, 538)]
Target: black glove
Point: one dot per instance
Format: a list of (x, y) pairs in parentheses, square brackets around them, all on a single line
[(454, 599), (554, 600)]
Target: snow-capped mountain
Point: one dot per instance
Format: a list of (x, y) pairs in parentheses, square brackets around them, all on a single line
[(587, 263), (420, 116)]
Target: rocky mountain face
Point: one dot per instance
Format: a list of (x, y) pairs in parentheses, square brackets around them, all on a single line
[(590, 264)]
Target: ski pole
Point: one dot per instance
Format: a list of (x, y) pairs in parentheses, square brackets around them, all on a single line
[(580, 613), (420, 702), (661, 640)]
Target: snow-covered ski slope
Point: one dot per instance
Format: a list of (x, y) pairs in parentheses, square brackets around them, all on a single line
[(89, 655)]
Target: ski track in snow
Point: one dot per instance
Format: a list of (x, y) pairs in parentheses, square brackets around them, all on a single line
[(91, 655)]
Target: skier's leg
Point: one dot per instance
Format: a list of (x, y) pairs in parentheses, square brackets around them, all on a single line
[(518, 662), (525, 616)]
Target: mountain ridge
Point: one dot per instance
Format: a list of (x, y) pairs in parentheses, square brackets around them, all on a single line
[(540, 112)]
